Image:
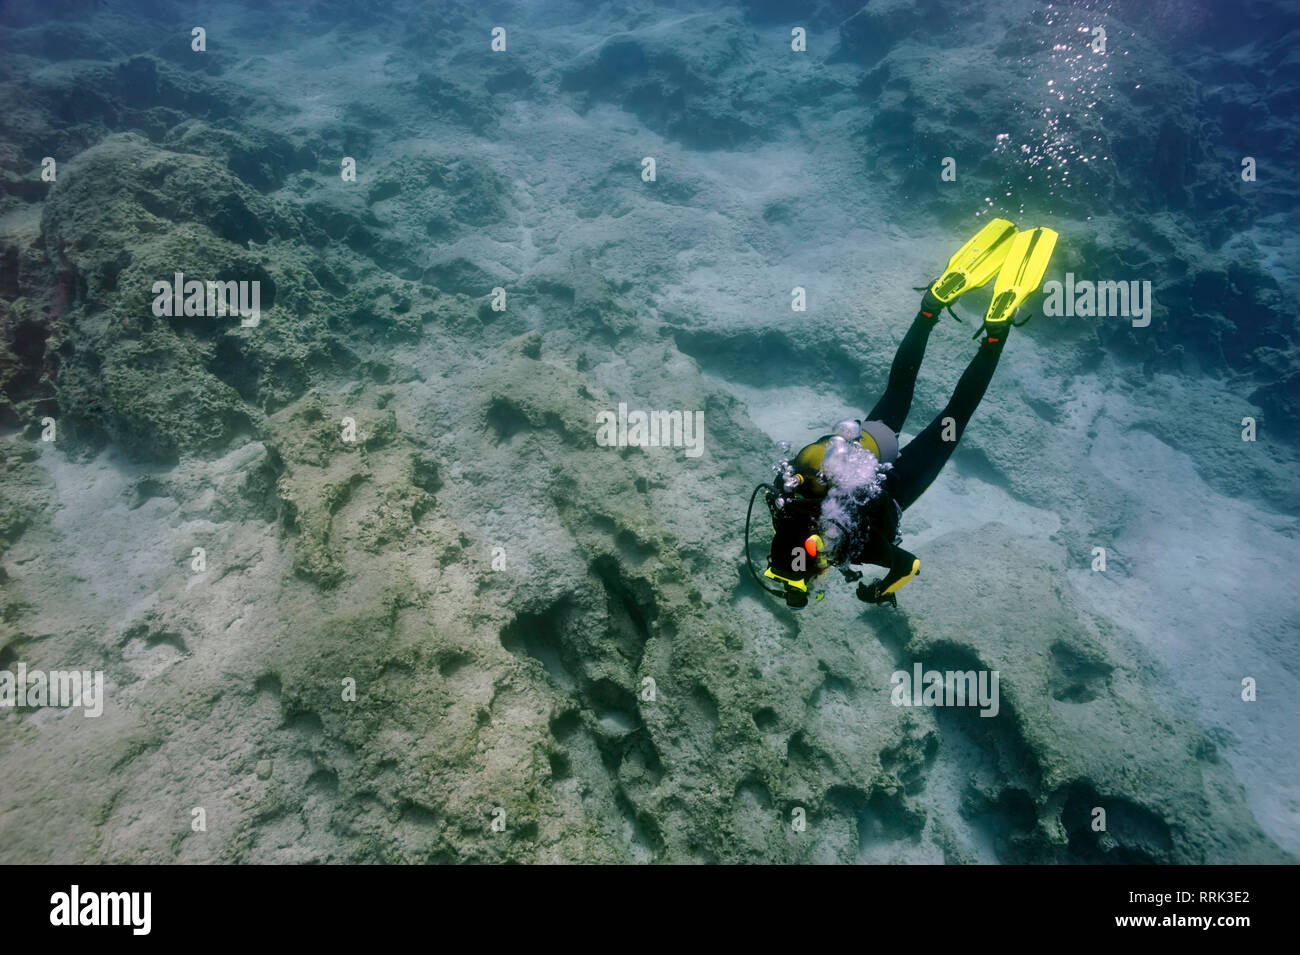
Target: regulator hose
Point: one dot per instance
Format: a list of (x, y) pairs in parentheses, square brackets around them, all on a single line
[(748, 560)]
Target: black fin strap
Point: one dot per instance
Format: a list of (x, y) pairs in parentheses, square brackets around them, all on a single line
[(1010, 321)]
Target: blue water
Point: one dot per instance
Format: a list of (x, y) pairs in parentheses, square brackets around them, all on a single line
[(474, 228)]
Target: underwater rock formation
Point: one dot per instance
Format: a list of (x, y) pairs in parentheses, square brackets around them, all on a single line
[(428, 600)]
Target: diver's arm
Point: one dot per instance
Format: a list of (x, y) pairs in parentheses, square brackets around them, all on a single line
[(903, 566)]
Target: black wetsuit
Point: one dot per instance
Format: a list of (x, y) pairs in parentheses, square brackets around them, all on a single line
[(874, 539)]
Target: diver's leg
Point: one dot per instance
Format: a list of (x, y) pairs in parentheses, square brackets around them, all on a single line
[(925, 455), (894, 404)]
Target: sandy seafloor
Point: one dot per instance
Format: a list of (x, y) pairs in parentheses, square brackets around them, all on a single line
[(522, 687)]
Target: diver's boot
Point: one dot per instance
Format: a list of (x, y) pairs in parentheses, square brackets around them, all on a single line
[(1020, 276), (970, 267)]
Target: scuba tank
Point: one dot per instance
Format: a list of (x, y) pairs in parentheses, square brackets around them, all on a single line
[(807, 541), (800, 549)]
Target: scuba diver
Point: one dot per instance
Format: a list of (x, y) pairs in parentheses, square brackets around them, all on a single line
[(840, 500)]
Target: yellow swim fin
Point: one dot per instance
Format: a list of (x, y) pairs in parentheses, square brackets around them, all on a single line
[(975, 262), (1021, 274)]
